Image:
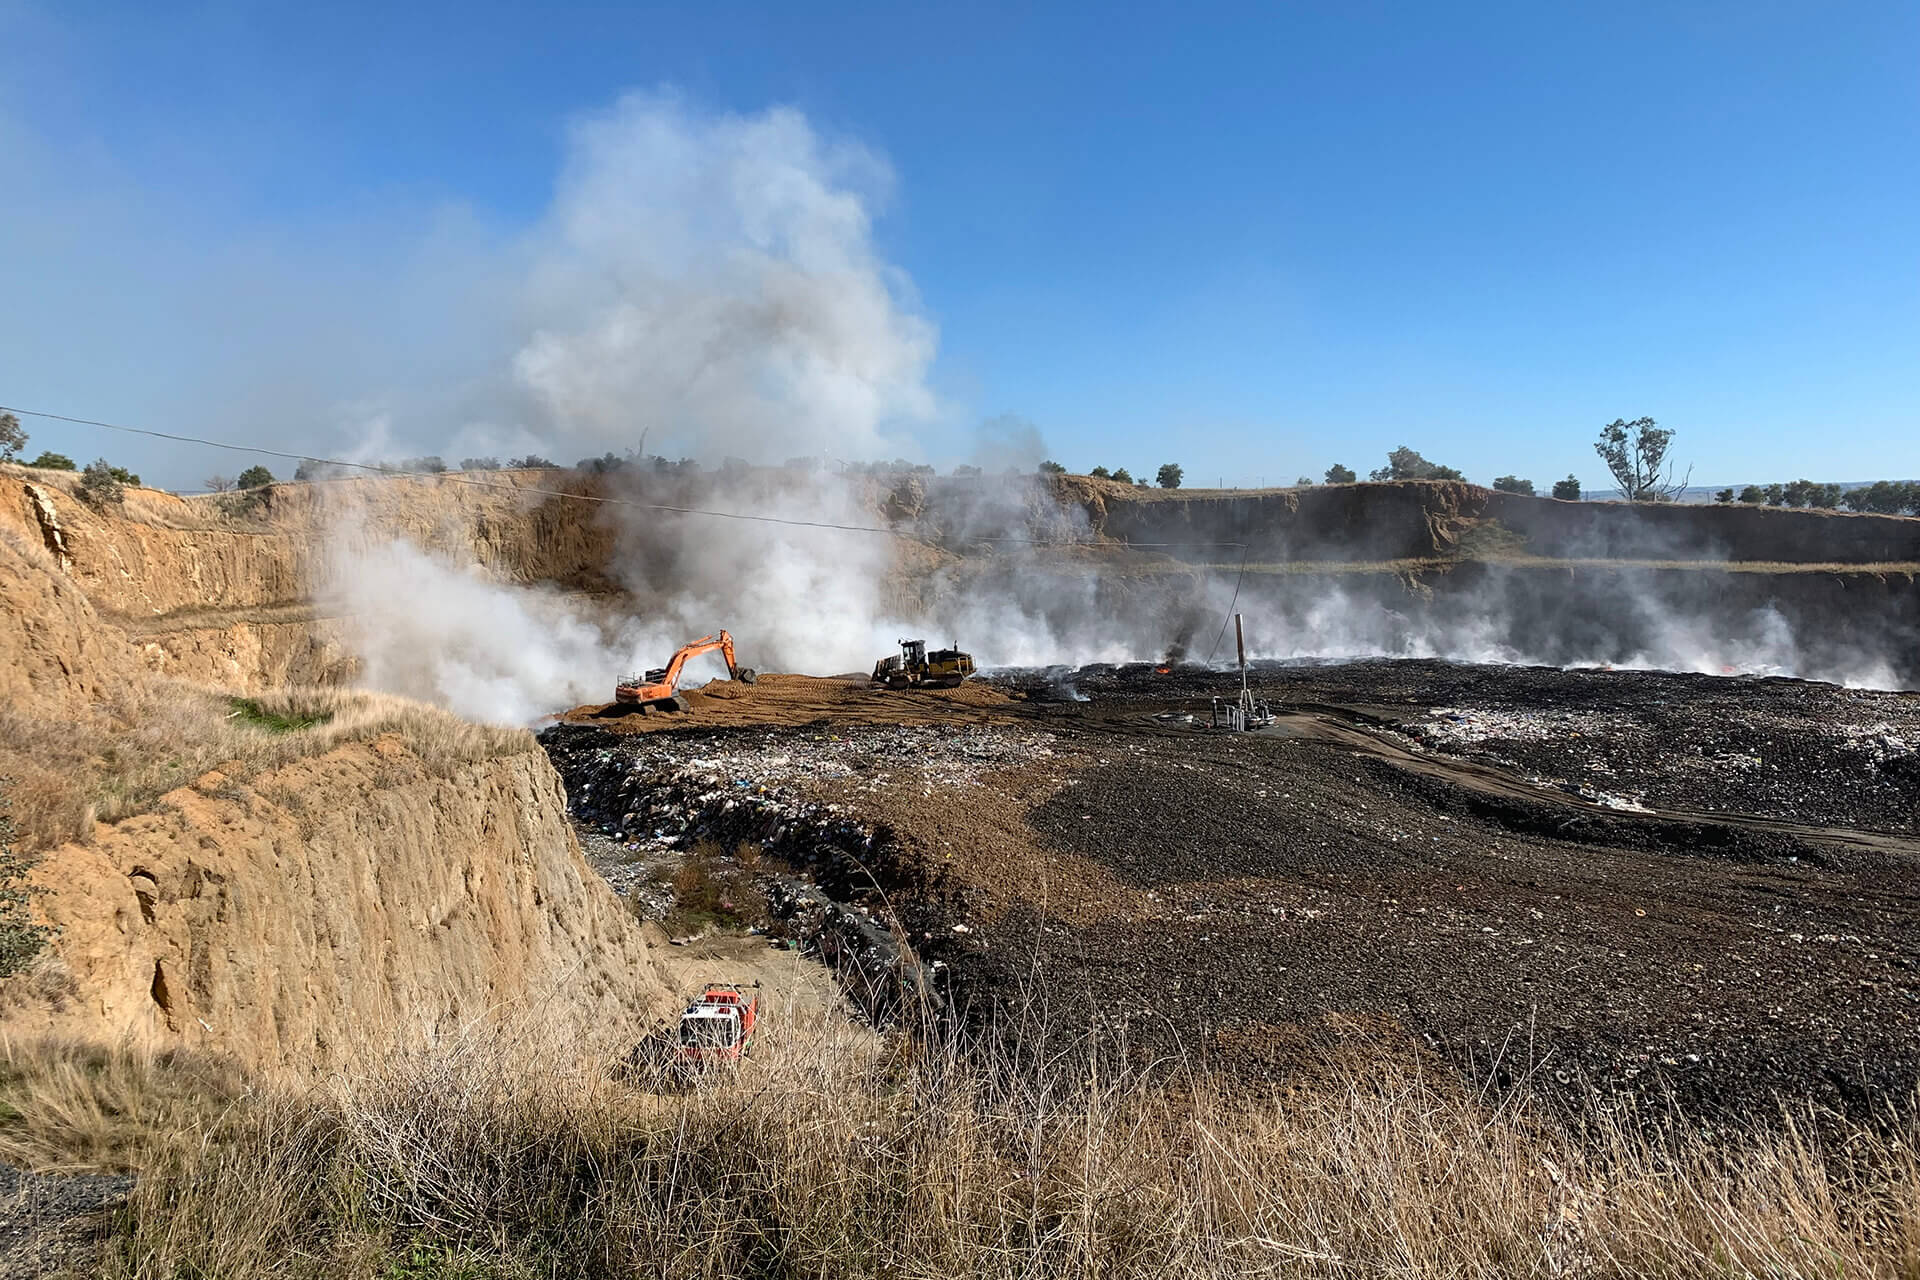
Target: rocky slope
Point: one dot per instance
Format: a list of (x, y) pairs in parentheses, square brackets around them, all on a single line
[(241, 600)]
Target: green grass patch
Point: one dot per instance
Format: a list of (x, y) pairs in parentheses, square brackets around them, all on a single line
[(247, 711)]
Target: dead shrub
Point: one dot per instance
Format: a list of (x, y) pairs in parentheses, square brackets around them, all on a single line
[(713, 889)]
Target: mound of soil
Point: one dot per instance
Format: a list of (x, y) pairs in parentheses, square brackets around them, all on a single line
[(786, 700)]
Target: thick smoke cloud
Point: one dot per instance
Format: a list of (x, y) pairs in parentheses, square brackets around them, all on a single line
[(713, 280), (710, 283), (430, 628)]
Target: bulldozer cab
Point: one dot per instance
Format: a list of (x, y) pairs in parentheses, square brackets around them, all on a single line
[(942, 669)]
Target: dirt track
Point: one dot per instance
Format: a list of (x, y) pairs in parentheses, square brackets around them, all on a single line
[(1607, 882)]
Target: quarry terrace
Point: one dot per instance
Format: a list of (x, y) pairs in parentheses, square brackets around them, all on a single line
[(1599, 815)]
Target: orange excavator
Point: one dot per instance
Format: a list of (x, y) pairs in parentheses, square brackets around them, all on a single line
[(658, 688)]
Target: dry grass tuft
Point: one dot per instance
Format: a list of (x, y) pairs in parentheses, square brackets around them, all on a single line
[(124, 754), (829, 1156), (72, 1107)]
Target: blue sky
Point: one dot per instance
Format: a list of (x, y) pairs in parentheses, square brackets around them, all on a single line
[(1256, 239)]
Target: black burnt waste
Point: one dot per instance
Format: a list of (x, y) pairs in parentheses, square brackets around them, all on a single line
[(833, 877), (1610, 887)]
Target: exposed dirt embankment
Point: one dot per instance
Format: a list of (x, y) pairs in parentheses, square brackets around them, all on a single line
[(239, 599), (54, 649), (337, 890), (339, 905), (1425, 519)]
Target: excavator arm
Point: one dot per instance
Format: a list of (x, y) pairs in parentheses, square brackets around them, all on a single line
[(688, 652), (648, 689)]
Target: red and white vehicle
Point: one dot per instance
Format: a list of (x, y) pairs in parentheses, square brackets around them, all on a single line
[(718, 1027)]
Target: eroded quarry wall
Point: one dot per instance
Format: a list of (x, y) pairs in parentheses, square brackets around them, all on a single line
[(365, 896), (1452, 570), (1418, 568), (338, 907), (1423, 519), (241, 601)]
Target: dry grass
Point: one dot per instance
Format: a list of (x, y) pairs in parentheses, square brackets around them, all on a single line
[(72, 1107), (121, 757), (830, 1156)]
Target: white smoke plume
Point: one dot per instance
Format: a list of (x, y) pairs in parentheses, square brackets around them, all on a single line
[(713, 281), (432, 629), (708, 284)]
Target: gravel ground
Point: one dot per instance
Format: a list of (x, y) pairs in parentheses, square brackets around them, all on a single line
[(48, 1222)]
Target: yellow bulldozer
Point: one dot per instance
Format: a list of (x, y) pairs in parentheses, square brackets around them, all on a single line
[(941, 669)]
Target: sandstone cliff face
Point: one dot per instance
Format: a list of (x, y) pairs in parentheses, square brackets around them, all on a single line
[(55, 651), (240, 602), (342, 905), (294, 646)]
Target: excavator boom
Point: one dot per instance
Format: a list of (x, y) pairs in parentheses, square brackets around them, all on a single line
[(662, 685)]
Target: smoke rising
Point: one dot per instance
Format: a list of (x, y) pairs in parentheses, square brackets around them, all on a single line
[(705, 284), (431, 628), (710, 284), (713, 280)]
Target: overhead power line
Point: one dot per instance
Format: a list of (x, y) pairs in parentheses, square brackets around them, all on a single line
[(476, 482)]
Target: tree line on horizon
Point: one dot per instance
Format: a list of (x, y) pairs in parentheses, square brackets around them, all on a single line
[(1882, 497), (1635, 454)]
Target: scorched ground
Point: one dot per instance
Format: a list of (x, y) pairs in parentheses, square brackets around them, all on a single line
[(1610, 886)]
